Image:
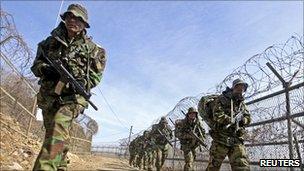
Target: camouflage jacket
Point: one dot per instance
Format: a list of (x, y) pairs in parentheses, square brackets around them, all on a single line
[(84, 59), (221, 111), (183, 128), (133, 144), (158, 138), (146, 143)]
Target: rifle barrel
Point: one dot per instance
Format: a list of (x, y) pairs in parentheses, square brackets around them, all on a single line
[(68, 77)]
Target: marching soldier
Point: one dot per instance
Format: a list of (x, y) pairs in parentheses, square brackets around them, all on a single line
[(145, 156), (189, 143), (133, 150), (228, 116), (59, 102), (162, 133)]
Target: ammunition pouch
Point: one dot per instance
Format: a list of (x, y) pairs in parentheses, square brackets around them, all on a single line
[(226, 139)]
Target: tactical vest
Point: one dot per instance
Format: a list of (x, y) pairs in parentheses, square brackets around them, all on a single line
[(81, 57)]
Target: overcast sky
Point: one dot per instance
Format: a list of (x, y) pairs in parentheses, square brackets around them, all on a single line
[(161, 51)]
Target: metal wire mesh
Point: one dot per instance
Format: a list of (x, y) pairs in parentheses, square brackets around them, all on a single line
[(267, 137)]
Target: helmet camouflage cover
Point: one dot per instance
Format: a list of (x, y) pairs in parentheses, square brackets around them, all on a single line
[(79, 11), (239, 81)]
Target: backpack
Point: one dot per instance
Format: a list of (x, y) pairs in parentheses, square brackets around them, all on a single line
[(205, 110)]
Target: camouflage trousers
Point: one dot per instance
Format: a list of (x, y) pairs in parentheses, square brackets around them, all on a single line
[(161, 155), (132, 158), (153, 159), (189, 156), (148, 160), (57, 123), (140, 160), (136, 162), (237, 157)]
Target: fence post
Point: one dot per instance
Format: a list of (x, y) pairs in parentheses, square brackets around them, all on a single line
[(298, 152), (34, 110), (173, 158), (286, 86), (90, 144), (289, 122), (73, 142)]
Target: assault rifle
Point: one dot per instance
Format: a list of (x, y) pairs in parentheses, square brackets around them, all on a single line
[(195, 136), (149, 142), (67, 78), (235, 120), (168, 141)]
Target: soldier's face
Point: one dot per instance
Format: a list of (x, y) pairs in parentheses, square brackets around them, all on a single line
[(164, 124), (74, 24), (238, 90), (192, 116)]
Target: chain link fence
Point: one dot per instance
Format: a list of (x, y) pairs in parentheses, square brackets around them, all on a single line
[(275, 99)]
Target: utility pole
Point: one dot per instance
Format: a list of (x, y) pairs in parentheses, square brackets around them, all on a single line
[(130, 135)]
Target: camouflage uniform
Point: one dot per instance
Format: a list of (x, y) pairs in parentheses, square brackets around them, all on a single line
[(149, 156), (140, 149), (145, 156), (137, 148), (227, 141), (85, 61), (162, 146), (133, 151), (188, 143), (154, 156)]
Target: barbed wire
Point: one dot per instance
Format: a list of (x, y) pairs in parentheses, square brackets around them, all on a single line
[(18, 80), (13, 45), (287, 59)]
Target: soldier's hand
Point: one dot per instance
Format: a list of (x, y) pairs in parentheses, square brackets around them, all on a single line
[(49, 72), (242, 122), (82, 82), (239, 118)]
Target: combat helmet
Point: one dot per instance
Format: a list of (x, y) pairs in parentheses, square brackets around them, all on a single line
[(79, 11), (239, 81), (163, 120), (192, 110), (145, 133)]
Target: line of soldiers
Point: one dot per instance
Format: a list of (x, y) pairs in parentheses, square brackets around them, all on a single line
[(150, 150), (225, 114)]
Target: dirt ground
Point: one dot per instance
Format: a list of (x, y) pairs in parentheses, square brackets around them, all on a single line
[(19, 152), (98, 163)]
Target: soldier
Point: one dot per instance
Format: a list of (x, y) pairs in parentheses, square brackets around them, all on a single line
[(145, 156), (137, 150), (227, 136), (133, 151), (60, 104), (161, 132), (139, 159), (188, 142), (154, 156)]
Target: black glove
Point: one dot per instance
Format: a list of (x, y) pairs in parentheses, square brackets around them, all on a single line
[(242, 122), (50, 73)]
